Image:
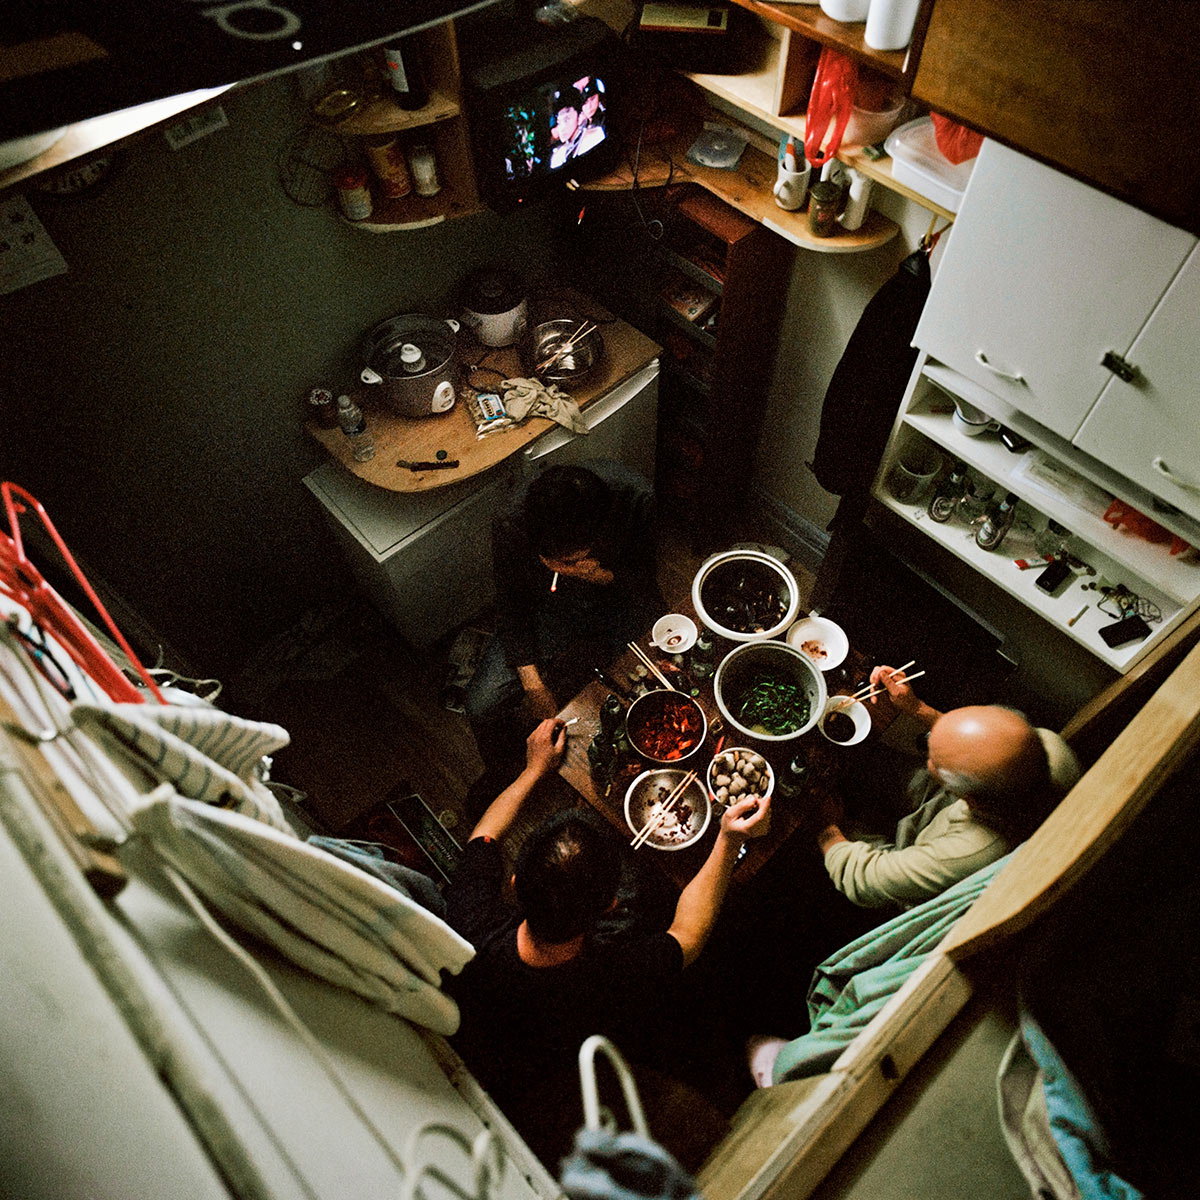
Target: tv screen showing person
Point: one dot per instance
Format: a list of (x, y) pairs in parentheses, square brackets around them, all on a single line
[(576, 120)]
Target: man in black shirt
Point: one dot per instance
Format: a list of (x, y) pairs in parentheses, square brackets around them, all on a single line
[(541, 983), (574, 561)]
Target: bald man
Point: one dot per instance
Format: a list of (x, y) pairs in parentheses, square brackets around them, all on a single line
[(990, 779)]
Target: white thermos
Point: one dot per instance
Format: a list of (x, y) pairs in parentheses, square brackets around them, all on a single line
[(890, 23)]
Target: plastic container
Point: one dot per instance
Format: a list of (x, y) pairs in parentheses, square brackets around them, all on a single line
[(890, 24), (870, 125), (919, 164)]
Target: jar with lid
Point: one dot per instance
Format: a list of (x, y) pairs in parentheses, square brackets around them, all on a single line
[(824, 199), (423, 167), (353, 194), (386, 157)]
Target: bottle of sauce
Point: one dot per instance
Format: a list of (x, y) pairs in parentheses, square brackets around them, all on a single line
[(354, 426), (405, 72)]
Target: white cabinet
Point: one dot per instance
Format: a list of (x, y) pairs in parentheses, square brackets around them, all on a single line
[(1049, 488), (424, 558), (1159, 447), (1042, 277)]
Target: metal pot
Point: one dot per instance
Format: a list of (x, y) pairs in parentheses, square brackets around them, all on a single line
[(414, 360)]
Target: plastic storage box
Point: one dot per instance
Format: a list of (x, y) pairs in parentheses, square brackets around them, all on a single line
[(919, 164)]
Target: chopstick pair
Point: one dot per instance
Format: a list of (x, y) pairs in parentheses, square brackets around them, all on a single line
[(668, 804), (647, 662), (897, 676), (584, 329)]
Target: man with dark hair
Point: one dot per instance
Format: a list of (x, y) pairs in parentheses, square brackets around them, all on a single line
[(990, 779), (542, 981), (573, 555)]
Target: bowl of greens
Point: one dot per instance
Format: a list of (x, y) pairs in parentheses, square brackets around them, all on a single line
[(769, 691)]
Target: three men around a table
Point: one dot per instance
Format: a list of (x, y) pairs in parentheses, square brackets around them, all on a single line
[(989, 780), (542, 981)]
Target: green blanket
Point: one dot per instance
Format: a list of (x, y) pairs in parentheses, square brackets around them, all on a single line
[(855, 982)]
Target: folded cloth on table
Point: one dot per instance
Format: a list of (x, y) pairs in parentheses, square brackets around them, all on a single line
[(531, 397)]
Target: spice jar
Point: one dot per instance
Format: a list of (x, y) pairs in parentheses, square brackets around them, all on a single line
[(823, 199), (323, 407), (353, 194), (424, 171), (387, 162)]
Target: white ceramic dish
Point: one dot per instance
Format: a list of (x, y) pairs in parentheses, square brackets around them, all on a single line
[(856, 711), (919, 164), (674, 633), (823, 640), (733, 761)]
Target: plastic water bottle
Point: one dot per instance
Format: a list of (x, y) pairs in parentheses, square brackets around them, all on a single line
[(354, 426)]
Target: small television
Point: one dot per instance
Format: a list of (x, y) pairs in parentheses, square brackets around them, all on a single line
[(540, 106)]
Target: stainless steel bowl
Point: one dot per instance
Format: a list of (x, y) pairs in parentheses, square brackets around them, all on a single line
[(746, 665), (648, 710), (554, 353), (691, 813)]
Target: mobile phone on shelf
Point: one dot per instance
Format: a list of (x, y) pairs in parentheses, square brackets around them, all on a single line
[(1054, 576), (1128, 629)]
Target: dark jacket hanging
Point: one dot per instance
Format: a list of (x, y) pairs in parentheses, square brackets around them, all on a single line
[(865, 392)]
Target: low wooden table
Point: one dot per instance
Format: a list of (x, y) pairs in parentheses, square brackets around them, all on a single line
[(680, 866)]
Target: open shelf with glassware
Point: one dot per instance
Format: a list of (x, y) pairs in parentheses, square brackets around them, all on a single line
[(1048, 489)]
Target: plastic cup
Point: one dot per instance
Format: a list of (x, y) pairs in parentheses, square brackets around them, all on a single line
[(912, 473)]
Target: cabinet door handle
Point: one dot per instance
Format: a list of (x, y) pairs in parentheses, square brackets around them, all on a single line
[(1166, 472), (981, 359)]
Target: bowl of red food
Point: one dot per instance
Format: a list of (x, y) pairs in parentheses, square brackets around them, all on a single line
[(665, 726), (673, 824)]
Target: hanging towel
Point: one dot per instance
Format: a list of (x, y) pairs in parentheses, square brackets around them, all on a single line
[(531, 397), (869, 381), (322, 913), (205, 753)]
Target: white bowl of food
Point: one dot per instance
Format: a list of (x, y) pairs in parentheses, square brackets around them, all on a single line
[(745, 595), (845, 722), (739, 773), (823, 640), (680, 827)]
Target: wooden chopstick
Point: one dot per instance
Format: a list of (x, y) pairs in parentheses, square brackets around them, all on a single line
[(649, 663), (878, 691), (668, 804), (563, 347), (869, 687)]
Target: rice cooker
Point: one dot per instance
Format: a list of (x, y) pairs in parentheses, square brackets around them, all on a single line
[(494, 307), (413, 359)]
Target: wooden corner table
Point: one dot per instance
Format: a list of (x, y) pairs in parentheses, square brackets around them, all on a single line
[(680, 866)]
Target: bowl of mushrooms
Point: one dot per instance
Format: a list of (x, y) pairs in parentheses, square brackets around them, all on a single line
[(739, 774)]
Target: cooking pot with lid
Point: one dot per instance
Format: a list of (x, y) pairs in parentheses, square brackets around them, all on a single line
[(494, 306), (414, 360)]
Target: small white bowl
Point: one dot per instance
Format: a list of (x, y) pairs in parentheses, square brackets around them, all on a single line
[(823, 640), (674, 633), (856, 711)]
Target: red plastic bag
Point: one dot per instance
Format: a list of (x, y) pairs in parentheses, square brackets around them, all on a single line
[(1124, 516), (829, 105), (955, 141)]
